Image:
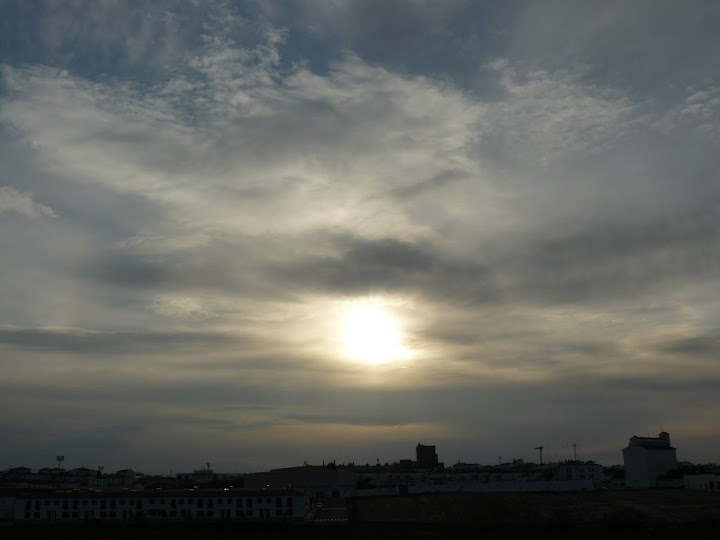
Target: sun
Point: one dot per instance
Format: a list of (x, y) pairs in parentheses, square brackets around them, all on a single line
[(372, 336)]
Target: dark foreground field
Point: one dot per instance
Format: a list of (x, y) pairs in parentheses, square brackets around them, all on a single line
[(607, 514), (600, 509), (302, 532)]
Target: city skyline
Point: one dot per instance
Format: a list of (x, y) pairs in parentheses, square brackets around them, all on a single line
[(251, 233)]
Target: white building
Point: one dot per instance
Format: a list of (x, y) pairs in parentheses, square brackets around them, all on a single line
[(648, 458), (160, 506), (7, 507), (199, 476), (703, 482), (578, 470)]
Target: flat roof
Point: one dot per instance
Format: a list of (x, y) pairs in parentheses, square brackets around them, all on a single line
[(25, 493)]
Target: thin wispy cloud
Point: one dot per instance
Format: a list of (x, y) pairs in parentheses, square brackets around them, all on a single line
[(13, 201)]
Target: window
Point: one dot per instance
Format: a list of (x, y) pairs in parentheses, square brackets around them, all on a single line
[(278, 512), (248, 502), (250, 513), (288, 502)]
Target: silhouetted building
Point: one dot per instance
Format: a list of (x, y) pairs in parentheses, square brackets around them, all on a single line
[(314, 479), (648, 458), (426, 456)]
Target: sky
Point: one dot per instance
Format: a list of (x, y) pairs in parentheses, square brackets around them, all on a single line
[(262, 233)]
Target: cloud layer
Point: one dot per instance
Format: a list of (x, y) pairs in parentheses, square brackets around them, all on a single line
[(193, 201)]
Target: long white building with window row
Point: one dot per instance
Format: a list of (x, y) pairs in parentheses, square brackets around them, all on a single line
[(160, 506)]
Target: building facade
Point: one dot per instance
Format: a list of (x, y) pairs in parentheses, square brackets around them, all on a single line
[(648, 458), (577, 470), (703, 482), (160, 506)]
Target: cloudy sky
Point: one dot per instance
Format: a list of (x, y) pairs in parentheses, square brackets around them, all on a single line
[(266, 232)]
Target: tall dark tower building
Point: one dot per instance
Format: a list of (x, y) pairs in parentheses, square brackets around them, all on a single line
[(426, 456)]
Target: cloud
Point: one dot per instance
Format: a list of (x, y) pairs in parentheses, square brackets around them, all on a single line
[(700, 346), (551, 114), (92, 342), (13, 201), (230, 180), (181, 308)]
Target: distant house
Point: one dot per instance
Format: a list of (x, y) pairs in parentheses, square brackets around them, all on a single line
[(704, 482), (83, 472), (52, 471), (19, 473), (648, 458), (578, 470)]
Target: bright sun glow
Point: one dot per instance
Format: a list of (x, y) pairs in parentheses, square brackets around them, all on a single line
[(372, 335)]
